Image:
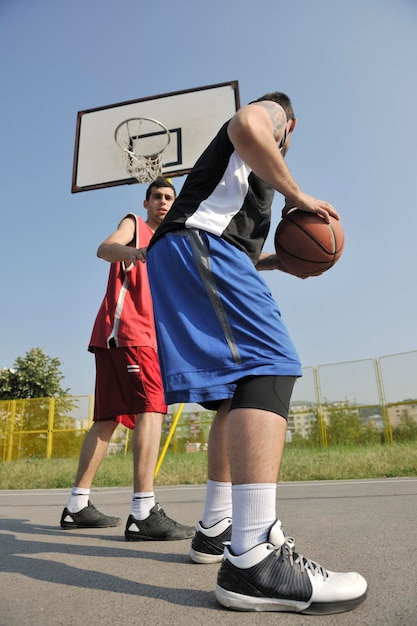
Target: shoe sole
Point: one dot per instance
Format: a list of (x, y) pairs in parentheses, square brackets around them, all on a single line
[(68, 525), (136, 537), (204, 558), (240, 602)]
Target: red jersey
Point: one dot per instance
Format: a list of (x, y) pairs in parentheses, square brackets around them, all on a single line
[(125, 317)]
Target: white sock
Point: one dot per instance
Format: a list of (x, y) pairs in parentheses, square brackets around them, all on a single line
[(254, 512), (142, 503), (218, 503), (78, 499)]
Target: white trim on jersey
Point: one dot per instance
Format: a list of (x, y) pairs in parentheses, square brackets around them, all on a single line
[(217, 211), (119, 308), (124, 289)]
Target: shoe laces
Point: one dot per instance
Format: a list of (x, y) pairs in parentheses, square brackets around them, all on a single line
[(167, 519), (287, 551)]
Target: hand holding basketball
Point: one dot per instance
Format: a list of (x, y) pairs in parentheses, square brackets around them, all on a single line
[(306, 245), (305, 202)]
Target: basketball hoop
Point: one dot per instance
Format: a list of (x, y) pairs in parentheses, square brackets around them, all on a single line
[(144, 142)]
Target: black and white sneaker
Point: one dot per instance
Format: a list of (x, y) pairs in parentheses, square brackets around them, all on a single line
[(273, 577), (207, 545), (88, 517), (156, 527)]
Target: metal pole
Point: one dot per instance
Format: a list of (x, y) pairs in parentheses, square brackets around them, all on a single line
[(385, 415), (171, 432)]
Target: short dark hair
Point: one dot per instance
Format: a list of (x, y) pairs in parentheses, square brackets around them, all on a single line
[(280, 98), (159, 182)]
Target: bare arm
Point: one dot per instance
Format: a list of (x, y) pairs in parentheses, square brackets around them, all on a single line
[(255, 131), (268, 261), (116, 247)]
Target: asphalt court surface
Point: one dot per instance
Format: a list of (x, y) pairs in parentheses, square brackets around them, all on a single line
[(52, 577)]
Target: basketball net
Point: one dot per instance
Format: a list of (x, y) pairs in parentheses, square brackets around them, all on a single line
[(144, 142)]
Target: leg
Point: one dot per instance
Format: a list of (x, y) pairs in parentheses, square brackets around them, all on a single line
[(218, 461), (93, 450), (80, 513), (215, 527), (267, 574), (146, 442), (145, 446), (148, 521), (255, 443), (256, 430)]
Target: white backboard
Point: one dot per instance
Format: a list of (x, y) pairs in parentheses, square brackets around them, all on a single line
[(193, 117)]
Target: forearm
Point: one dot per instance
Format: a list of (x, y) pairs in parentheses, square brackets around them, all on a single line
[(115, 252), (266, 161), (269, 261)]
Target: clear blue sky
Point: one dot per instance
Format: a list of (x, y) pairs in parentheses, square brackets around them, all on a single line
[(349, 67)]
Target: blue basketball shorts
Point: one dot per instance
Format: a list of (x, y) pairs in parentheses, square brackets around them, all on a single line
[(215, 317)]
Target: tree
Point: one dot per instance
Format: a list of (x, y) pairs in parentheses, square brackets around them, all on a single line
[(35, 375), (344, 424), (406, 430), (314, 431), (31, 383)]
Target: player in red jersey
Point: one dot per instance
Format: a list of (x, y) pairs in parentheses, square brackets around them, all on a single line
[(128, 380)]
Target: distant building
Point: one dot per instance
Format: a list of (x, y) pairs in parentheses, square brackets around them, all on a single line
[(398, 411), (300, 418)]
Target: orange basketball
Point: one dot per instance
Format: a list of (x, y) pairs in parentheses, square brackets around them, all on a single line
[(306, 245)]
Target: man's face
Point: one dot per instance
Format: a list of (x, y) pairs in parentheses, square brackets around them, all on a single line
[(158, 205)]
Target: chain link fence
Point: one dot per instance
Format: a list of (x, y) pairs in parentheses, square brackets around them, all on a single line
[(359, 402)]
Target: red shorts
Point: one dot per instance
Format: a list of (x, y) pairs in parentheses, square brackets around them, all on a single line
[(128, 382)]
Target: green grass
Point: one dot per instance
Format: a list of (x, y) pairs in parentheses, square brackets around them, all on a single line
[(299, 464)]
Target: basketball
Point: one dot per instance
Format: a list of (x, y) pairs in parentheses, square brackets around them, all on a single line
[(306, 245)]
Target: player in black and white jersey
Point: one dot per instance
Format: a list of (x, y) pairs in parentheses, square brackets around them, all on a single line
[(223, 344)]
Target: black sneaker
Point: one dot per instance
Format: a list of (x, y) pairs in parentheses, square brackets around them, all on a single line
[(272, 577), (156, 527), (207, 545), (88, 517)]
